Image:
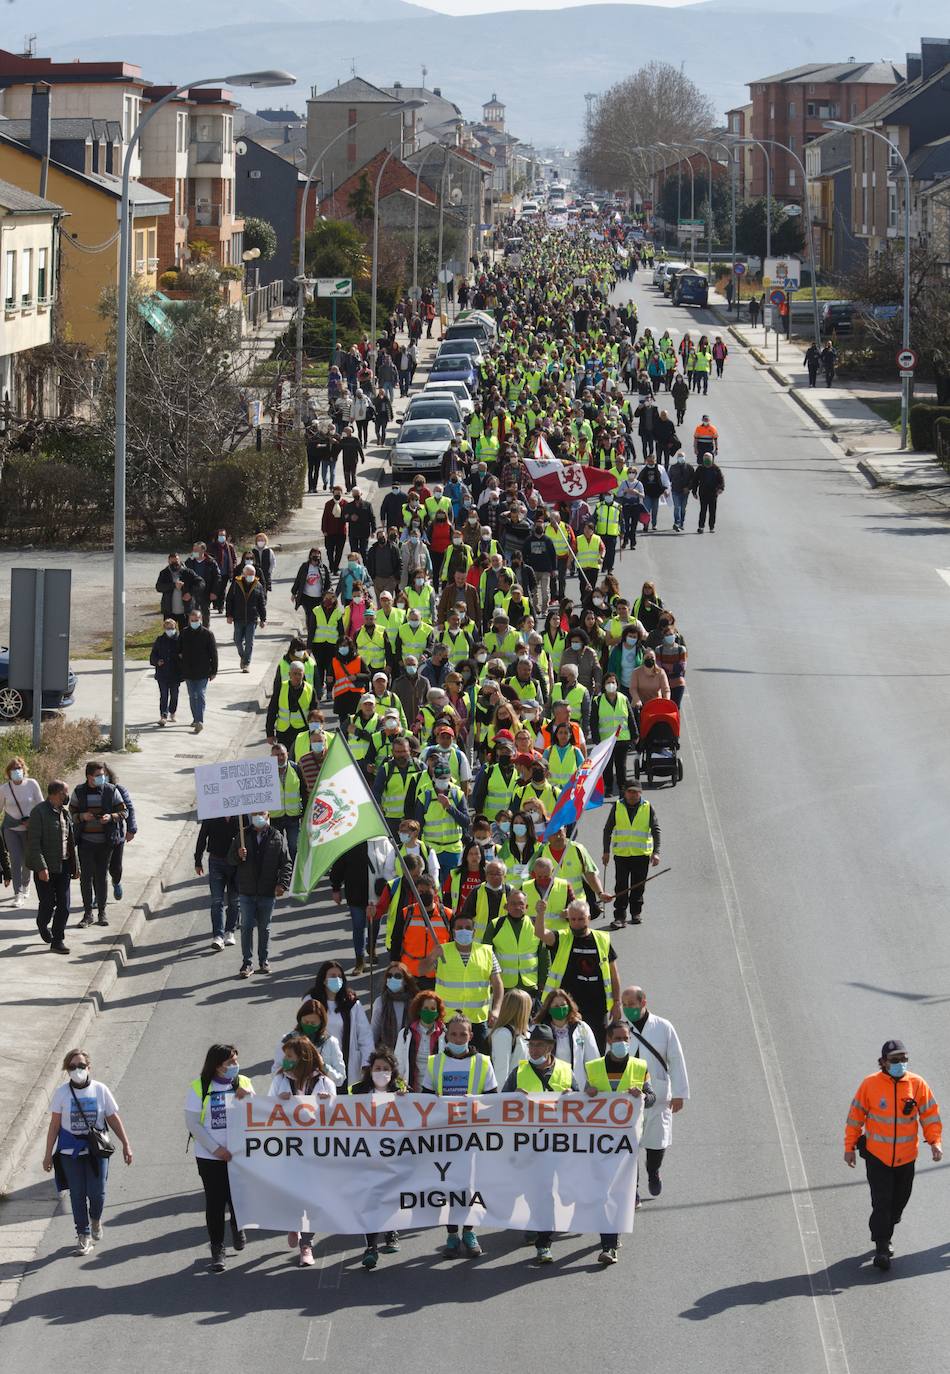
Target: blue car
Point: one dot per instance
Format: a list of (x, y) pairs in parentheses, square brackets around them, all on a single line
[(454, 367), (14, 703)]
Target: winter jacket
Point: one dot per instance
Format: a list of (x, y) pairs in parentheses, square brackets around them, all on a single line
[(267, 865), (164, 658), (360, 520), (682, 476), (197, 654), (245, 604), (709, 480), (44, 843), (384, 560), (192, 587)]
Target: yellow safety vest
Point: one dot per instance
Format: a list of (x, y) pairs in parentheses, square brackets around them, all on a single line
[(635, 1074), (360, 739), (307, 664), (372, 647), (481, 912), (555, 902), (326, 628), (574, 698), (296, 719), (440, 829), (608, 518), (588, 550), (465, 988), (571, 868), (478, 1066), (558, 537), (562, 764), (500, 790), (413, 641), (565, 940), (527, 1080), (632, 836), (391, 623), (396, 789), (539, 792), (433, 504), (516, 948), (421, 602), (291, 800), (459, 646), (609, 716), (239, 1082)]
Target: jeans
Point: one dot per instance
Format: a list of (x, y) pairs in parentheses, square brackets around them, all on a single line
[(289, 825), (358, 924), (680, 498), (676, 696), (244, 632), (222, 880), (167, 698), (94, 875), (217, 1186), (327, 472), (16, 847), (255, 912), (197, 690), (53, 904), (652, 504), (87, 1188)]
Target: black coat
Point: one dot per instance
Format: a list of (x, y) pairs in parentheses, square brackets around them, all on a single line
[(244, 606), (197, 654), (299, 588), (192, 584), (267, 865), (210, 574), (164, 658)]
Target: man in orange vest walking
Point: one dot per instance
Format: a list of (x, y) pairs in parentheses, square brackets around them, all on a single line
[(887, 1110)]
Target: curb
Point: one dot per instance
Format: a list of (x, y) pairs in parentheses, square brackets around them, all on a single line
[(821, 420), (22, 1135), (866, 471)]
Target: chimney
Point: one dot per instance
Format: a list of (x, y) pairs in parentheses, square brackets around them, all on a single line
[(914, 66), (40, 129), (934, 55), (437, 90)]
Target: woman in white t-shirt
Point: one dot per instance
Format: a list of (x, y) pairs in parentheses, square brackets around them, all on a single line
[(301, 1074), (206, 1116), (76, 1108), (508, 1044), (19, 793)]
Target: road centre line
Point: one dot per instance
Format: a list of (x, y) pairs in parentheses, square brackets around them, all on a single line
[(826, 1312), (318, 1339)]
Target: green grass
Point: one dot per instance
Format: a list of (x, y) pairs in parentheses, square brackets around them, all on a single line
[(267, 372), (138, 644), (889, 409)]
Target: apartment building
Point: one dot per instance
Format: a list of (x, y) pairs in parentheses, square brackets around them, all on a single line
[(29, 254), (352, 122), (739, 122), (791, 107)]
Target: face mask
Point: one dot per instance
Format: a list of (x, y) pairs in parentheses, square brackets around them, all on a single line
[(897, 1070), (222, 538), (394, 985), (16, 774), (649, 663), (230, 1073), (611, 689), (380, 1079), (481, 658), (619, 1049), (669, 639), (196, 553), (353, 565), (258, 822), (311, 1032), (428, 1016), (260, 543), (520, 829), (576, 645), (343, 651), (537, 1060), (99, 780), (78, 1076), (288, 1065), (334, 984), (456, 1049), (560, 1013), (456, 539), (633, 1013), (598, 600), (464, 937)]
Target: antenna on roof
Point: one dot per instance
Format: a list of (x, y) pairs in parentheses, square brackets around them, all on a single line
[(29, 45), (352, 66), (425, 73)]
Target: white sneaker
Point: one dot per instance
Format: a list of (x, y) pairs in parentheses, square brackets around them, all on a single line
[(83, 1245), (217, 942), (96, 1228), (228, 937), (20, 899)]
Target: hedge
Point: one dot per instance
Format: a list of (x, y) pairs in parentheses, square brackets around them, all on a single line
[(248, 491), (922, 421), (942, 441)]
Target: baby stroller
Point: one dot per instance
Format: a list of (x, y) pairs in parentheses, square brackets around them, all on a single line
[(659, 742)]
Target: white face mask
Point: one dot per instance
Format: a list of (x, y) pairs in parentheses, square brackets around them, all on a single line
[(78, 1076), (260, 543), (381, 1079)]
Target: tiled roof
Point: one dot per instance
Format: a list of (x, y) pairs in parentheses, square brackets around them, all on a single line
[(15, 199)]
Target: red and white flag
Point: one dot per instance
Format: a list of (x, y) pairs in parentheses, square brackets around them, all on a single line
[(557, 481)]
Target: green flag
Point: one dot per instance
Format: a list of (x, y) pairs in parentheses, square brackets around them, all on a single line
[(339, 815)]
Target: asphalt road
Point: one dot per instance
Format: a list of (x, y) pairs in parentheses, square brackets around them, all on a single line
[(801, 925)]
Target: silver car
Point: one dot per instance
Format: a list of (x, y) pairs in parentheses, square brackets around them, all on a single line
[(420, 446)]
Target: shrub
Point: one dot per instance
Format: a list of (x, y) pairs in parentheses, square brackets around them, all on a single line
[(231, 271), (249, 491), (922, 421), (53, 501), (168, 280), (942, 441), (63, 745)]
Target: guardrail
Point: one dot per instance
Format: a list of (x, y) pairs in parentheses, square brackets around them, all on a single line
[(259, 303)]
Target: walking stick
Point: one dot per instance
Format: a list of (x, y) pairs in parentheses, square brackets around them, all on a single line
[(634, 886)]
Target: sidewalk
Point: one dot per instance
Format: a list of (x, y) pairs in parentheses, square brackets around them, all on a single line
[(49, 1002), (843, 412)]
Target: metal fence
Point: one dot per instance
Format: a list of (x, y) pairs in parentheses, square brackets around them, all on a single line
[(259, 303)]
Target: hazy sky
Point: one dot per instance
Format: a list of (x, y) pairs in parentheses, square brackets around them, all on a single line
[(484, 6)]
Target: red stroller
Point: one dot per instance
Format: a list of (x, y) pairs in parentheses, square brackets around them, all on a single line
[(659, 742)]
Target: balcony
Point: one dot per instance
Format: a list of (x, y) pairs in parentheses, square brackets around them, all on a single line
[(205, 153), (206, 216)]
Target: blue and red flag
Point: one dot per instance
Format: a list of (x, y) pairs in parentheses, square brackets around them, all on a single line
[(584, 791)]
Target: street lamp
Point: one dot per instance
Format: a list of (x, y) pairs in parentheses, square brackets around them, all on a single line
[(811, 240), (905, 343), (678, 148), (372, 289), (768, 188), (415, 235), (301, 277), (261, 79), (730, 154)]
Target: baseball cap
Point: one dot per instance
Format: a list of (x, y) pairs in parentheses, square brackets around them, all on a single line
[(368, 700), (544, 1033), (893, 1047), (380, 677), (505, 735), (442, 725), (526, 759)]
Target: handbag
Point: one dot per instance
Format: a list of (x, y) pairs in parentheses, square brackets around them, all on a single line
[(100, 1142)]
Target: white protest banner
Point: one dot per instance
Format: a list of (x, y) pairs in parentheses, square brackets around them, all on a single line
[(381, 1162), (236, 787)]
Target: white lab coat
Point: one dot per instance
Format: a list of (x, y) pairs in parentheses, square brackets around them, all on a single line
[(330, 1052), (658, 1119)]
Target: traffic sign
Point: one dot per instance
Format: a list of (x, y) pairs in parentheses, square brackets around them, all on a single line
[(777, 297), (907, 372), (739, 269), (335, 287), (907, 359), (790, 283)]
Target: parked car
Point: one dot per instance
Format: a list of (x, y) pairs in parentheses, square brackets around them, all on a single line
[(454, 367), (689, 288), (472, 324), (429, 406), (457, 389), (837, 317), (472, 347), (420, 446), (15, 703)]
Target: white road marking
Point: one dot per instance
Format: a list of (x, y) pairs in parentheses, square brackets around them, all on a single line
[(944, 573), (318, 1339), (826, 1312), (331, 1271)]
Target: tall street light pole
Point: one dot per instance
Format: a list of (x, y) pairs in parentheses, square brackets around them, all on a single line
[(774, 143), (301, 278), (678, 149), (731, 155), (768, 189), (258, 79), (379, 179), (415, 235), (905, 334)]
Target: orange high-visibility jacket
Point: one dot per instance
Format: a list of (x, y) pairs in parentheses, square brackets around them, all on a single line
[(881, 1112)]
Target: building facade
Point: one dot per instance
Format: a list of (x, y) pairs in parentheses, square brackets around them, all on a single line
[(352, 122), (29, 258)]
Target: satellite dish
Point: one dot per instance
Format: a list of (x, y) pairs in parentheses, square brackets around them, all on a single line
[(240, 147), (456, 196)]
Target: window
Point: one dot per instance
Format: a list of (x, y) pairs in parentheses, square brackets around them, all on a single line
[(791, 109), (152, 249), (228, 197), (811, 90), (854, 108), (9, 278), (792, 176), (181, 132), (138, 257), (791, 142), (228, 134), (42, 275), (893, 156), (26, 278), (237, 246), (892, 207), (771, 110)]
